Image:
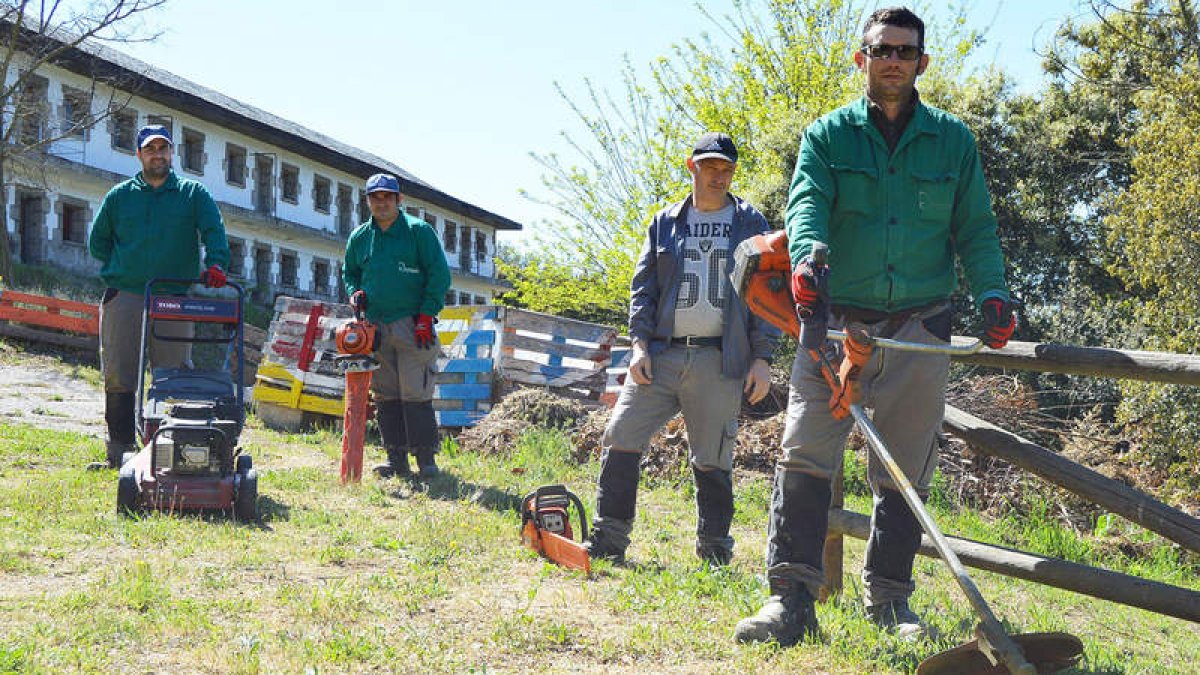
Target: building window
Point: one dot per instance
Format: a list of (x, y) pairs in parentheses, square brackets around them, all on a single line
[(289, 183), (76, 116), (481, 247), (73, 222), (122, 126), (32, 108), (451, 236), (191, 151), (345, 212), (464, 298), (364, 212), (264, 183), (287, 270), (414, 211), (464, 254), (321, 277), (235, 165), (321, 193), (451, 296), (237, 257), (480, 300)]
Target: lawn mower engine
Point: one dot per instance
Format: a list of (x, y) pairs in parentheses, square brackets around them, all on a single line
[(193, 440)]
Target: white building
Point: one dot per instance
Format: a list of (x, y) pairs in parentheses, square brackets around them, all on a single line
[(289, 195)]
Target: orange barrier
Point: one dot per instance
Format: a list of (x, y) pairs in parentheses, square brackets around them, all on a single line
[(39, 310)]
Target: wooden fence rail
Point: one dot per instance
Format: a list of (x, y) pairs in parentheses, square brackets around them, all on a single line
[(1117, 497), (1095, 361), (1130, 503), (1182, 603)]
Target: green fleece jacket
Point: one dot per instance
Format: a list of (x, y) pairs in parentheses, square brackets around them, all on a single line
[(402, 270), (141, 233), (895, 222)]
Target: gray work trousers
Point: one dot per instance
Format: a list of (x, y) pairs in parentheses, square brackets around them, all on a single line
[(906, 392), (121, 338)]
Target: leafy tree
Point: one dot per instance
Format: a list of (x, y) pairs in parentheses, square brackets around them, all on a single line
[(771, 67), (38, 34)]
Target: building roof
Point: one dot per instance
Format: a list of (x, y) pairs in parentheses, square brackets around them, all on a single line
[(93, 60)]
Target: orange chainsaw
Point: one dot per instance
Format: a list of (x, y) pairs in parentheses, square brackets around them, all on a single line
[(355, 342), (762, 276), (546, 526)]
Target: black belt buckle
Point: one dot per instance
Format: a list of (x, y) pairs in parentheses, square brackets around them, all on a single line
[(697, 341)]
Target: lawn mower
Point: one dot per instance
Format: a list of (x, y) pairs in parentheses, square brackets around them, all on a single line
[(191, 419), (762, 277), (546, 526)]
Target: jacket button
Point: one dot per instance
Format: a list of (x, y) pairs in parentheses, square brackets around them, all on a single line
[(891, 169), (891, 268), (892, 221)]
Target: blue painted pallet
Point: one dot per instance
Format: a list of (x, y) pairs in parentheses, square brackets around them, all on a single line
[(474, 393)]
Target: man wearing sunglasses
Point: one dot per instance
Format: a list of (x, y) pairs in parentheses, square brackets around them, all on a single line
[(896, 190)]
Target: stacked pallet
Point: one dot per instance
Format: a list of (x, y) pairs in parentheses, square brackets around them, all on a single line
[(566, 356)]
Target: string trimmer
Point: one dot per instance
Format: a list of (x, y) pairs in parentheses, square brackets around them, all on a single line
[(993, 650)]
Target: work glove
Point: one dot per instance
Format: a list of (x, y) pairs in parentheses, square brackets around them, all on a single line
[(423, 330), (999, 322), (805, 293), (358, 301), (213, 277)]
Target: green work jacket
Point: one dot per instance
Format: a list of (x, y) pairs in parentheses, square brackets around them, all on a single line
[(141, 233), (895, 222), (403, 271)]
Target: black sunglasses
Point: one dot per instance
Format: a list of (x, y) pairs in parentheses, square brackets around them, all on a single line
[(882, 51)]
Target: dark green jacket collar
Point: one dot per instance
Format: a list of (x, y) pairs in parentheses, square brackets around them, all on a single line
[(171, 183)]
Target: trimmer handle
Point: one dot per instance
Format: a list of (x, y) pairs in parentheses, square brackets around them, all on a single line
[(813, 324)]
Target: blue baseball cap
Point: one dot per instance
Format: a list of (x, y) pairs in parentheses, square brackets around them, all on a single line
[(383, 182), (151, 132)]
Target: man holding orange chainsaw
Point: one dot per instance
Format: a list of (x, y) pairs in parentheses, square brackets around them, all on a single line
[(896, 190), (396, 273)]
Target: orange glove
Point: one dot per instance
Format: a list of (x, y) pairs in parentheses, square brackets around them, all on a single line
[(855, 355)]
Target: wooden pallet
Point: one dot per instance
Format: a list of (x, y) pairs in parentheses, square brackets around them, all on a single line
[(567, 356), (44, 319)]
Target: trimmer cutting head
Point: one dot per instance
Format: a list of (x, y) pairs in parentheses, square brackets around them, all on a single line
[(1047, 652)]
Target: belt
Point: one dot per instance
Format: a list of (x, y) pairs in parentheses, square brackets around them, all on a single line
[(697, 341)]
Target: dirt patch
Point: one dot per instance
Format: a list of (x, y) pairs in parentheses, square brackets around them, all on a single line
[(49, 399)]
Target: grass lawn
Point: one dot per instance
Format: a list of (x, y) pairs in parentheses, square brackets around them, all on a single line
[(412, 577)]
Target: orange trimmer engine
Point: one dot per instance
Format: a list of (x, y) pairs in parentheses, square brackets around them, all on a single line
[(762, 276), (355, 337), (546, 526)]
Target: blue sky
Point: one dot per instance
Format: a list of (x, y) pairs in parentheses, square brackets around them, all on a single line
[(460, 92)]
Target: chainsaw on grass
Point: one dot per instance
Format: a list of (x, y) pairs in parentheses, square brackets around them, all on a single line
[(546, 526)]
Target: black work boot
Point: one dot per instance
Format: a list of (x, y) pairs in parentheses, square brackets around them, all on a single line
[(425, 462), (122, 431), (891, 549), (788, 615), (389, 415), (422, 435), (714, 509), (616, 505)]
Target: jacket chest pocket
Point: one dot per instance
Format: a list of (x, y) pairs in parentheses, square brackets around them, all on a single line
[(935, 194), (664, 265), (857, 187)]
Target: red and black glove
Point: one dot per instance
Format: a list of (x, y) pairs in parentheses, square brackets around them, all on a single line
[(804, 288), (358, 301), (213, 277), (999, 322), (423, 330)]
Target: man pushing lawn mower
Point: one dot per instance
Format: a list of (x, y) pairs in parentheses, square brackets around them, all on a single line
[(148, 227), (396, 274)]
